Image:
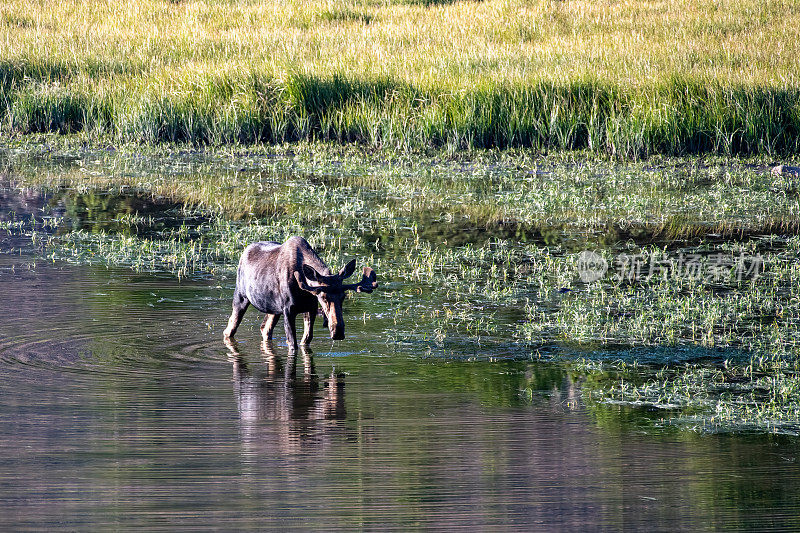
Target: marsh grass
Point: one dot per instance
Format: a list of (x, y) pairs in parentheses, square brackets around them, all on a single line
[(508, 300), (726, 396), (628, 79), (558, 198), (453, 287)]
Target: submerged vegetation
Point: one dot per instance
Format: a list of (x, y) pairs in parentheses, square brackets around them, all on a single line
[(694, 311), (628, 79)]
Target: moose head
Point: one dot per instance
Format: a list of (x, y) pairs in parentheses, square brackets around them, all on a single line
[(330, 291)]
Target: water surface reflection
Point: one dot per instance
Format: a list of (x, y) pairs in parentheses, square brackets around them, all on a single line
[(120, 407), (281, 411)]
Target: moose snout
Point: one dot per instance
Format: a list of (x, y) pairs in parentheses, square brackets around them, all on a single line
[(336, 324)]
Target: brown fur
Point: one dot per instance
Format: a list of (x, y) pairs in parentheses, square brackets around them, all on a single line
[(290, 279)]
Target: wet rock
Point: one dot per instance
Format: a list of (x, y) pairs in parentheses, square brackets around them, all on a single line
[(786, 170)]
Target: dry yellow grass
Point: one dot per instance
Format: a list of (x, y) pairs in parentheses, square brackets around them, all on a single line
[(146, 49), (458, 44)]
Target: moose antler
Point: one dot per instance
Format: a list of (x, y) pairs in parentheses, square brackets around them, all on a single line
[(368, 283)]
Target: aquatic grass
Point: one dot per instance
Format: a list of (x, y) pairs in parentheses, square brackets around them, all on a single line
[(714, 304), (508, 195), (450, 286), (501, 291), (211, 248), (727, 397), (535, 286)]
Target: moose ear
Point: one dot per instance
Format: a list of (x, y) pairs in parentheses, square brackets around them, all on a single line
[(348, 269), (311, 274), (303, 285)]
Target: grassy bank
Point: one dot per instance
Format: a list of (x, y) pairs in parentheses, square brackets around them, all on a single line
[(626, 79)]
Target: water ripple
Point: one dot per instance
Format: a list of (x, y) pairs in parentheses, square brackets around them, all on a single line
[(121, 408)]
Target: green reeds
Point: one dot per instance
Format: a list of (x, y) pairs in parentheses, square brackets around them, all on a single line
[(676, 117)]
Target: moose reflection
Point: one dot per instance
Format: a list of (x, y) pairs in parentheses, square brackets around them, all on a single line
[(281, 409)]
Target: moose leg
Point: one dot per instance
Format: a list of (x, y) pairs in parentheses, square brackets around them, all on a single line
[(268, 325), (291, 335), (273, 363), (308, 327), (240, 304)]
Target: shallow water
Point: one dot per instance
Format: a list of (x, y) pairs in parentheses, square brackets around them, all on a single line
[(121, 407)]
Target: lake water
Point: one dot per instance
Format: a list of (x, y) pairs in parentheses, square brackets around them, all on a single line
[(121, 408)]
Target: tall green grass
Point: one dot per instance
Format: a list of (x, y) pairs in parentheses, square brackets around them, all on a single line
[(678, 116)]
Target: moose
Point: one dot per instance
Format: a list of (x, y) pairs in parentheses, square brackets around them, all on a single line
[(289, 279)]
